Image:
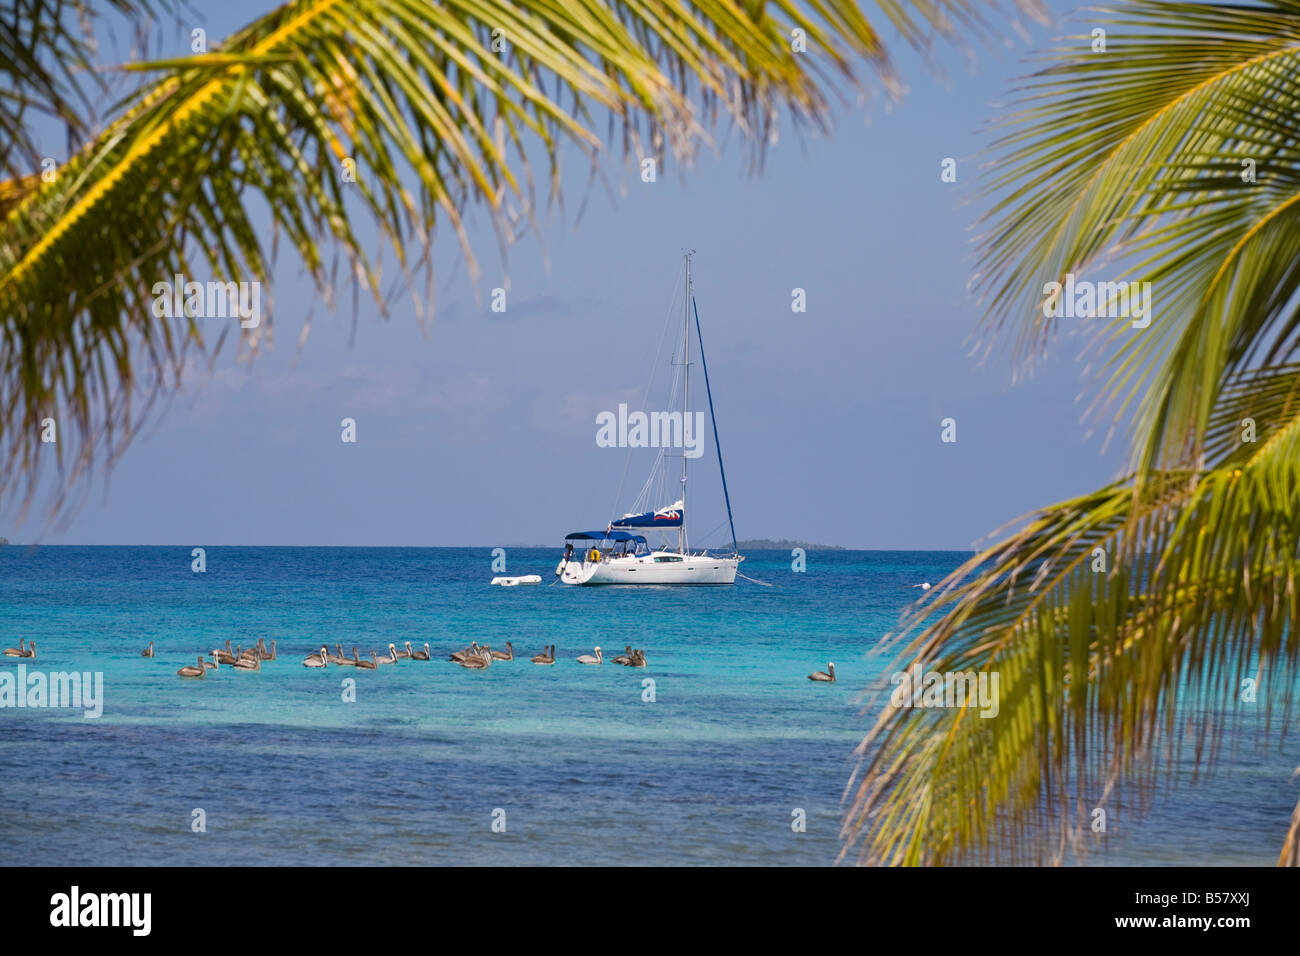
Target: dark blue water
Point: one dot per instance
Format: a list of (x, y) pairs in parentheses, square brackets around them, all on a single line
[(581, 767)]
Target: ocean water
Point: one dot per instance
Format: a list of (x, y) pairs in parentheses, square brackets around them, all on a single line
[(579, 766)]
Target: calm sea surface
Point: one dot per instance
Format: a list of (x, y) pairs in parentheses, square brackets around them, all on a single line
[(414, 771)]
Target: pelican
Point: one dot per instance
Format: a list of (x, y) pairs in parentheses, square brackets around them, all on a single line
[(262, 649), (18, 651), (191, 671), (924, 585), (822, 675), (544, 658), (588, 659), (247, 655), (502, 655), (317, 660), (148, 651), (348, 661), (406, 653), (212, 665), (419, 655), (337, 658), (637, 659), (390, 659), (249, 664), (478, 661), (459, 656), (31, 649), (364, 665), (625, 657), (227, 656)]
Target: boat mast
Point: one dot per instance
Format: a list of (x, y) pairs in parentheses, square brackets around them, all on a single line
[(682, 542), (708, 390)]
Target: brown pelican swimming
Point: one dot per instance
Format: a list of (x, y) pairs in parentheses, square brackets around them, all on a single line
[(637, 659), (348, 661), (588, 659), (369, 665), (419, 655), (148, 651), (390, 659), (262, 651), (503, 655), (31, 649), (18, 651), (247, 655), (317, 660), (625, 657), (248, 664), (471, 651), (337, 658), (192, 671), (822, 675), (227, 656), (212, 665), (406, 653), (479, 661), (544, 658)]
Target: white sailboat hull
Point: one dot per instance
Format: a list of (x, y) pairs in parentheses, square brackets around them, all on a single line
[(658, 568)]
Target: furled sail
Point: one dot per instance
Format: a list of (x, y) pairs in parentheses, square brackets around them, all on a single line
[(670, 517)]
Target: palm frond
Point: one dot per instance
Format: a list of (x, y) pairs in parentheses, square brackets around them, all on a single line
[(1139, 158), (1132, 159), (46, 53), (1100, 672)]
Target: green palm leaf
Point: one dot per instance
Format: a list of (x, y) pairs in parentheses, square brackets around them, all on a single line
[(1130, 160), (1134, 158), (1095, 668)]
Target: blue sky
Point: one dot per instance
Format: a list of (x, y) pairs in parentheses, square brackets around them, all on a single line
[(480, 427)]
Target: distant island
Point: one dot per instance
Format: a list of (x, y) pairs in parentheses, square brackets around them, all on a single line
[(3, 542), (768, 544)]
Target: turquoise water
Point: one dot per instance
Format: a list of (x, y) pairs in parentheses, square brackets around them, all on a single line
[(414, 770)]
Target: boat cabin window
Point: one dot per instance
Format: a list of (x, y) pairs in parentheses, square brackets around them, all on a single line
[(666, 558)]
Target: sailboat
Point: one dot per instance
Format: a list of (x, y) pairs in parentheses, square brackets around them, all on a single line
[(621, 554)]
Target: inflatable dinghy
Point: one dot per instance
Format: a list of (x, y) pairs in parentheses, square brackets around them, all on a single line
[(515, 582)]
